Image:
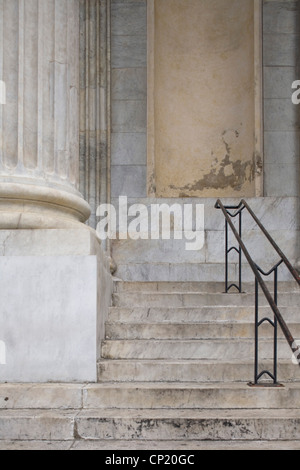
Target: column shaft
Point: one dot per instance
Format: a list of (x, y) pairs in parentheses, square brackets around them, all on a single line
[(39, 124)]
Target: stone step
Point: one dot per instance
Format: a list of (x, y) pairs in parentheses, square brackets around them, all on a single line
[(37, 445), (150, 425), (198, 287), (175, 272), (189, 424), (134, 445), (173, 299), (190, 370), (187, 396), (138, 395), (217, 349), (183, 445), (190, 272), (197, 314), (41, 396), (130, 331)]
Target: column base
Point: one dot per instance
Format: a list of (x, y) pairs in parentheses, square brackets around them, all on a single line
[(29, 206)]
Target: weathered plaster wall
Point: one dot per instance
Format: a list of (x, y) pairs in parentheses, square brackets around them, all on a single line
[(281, 39), (203, 91)]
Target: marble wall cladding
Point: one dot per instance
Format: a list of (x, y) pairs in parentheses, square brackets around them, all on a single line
[(94, 108), (281, 36), (129, 98), (39, 44), (158, 259)]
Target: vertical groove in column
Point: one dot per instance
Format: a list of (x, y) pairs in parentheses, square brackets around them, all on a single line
[(60, 88), (40, 90), (30, 83), (10, 76), (93, 104), (73, 80), (104, 67), (98, 112), (92, 101), (47, 85), (108, 104), (86, 126), (20, 95), (82, 94)]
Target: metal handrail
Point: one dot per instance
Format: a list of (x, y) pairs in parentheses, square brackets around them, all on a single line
[(259, 280)]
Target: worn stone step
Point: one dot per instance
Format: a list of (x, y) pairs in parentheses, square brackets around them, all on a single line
[(182, 425), (143, 395), (187, 396), (189, 272), (119, 330), (175, 272), (168, 299), (150, 425), (44, 424), (196, 371), (197, 314), (182, 445), (217, 349), (153, 446), (198, 287), (41, 396), (35, 445)]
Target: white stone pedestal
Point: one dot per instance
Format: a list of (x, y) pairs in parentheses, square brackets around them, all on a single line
[(55, 293)]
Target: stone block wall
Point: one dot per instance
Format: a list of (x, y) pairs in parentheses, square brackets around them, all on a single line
[(281, 39), (129, 98)]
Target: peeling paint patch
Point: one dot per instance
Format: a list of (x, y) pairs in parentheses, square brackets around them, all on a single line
[(228, 174), (152, 185)]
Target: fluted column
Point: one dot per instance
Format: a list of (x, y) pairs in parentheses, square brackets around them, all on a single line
[(94, 102), (39, 124)]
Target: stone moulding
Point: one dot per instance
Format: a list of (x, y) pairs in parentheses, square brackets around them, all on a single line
[(32, 206)]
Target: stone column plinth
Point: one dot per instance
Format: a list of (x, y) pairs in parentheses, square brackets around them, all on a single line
[(39, 122)]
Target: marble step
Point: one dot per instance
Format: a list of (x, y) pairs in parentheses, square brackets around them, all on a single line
[(198, 287), (215, 313), (154, 446), (66, 398), (130, 331), (151, 446), (150, 425), (216, 349), (173, 299), (190, 396), (183, 445), (187, 271), (195, 371)]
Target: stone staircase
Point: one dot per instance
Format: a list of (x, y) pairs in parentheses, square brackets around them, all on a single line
[(174, 373)]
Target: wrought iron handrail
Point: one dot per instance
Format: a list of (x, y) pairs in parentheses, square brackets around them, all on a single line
[(258, 272)]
